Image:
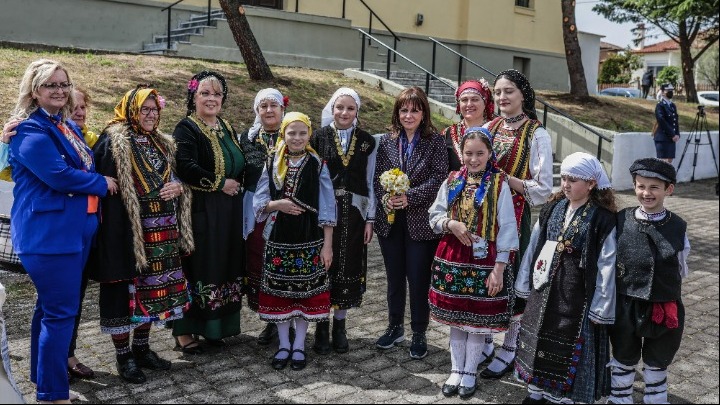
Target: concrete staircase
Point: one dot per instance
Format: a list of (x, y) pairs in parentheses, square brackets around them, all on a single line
[(438, 91), (195, 26)]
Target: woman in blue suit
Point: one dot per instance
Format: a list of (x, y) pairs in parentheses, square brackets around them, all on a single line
[(54, 216)]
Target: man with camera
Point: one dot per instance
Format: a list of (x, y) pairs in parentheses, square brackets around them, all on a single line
[(668, 132)]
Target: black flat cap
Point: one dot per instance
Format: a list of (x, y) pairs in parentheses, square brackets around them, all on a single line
[(654, 168)]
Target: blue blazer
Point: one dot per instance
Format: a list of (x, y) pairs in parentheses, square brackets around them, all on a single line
[(667, 118), (51, 189)]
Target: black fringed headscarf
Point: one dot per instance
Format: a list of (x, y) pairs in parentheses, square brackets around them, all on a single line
[(194, 83), (522, 83)]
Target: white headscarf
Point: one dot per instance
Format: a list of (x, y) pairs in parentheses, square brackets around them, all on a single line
[(264, 94), (327, 112), (585, 166)]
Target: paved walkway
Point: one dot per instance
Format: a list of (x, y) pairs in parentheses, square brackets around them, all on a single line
[(240, 372)]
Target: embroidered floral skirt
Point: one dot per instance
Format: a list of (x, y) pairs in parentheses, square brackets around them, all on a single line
[(458, 295), (294, 283)]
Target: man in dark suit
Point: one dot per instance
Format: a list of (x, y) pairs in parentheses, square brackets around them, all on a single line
[(668, 132)]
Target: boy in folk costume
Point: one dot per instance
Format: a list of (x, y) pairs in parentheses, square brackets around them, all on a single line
[(471, 290), (568, 277), (651, 262), (295, 198), (350, 155)]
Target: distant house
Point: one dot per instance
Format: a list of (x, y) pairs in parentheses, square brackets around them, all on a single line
[(607, 50)]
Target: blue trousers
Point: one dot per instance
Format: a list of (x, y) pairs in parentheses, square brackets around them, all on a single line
[(407, 263), (57, 279)]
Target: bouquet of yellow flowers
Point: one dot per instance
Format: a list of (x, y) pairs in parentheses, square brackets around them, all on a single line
[(394, 182)]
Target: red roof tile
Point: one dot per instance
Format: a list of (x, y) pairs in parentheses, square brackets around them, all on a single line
[(664, 46)]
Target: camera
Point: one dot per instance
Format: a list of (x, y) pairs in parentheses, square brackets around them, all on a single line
[(701, 110)]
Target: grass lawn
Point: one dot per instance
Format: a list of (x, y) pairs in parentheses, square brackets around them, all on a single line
[(108, 76)]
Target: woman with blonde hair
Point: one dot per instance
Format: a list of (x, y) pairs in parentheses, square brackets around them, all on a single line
[(55, 214)]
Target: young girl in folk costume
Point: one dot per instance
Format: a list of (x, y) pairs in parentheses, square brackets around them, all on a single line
[(568, 278), (475, 106), (470, 289), (258, 143), (524, 153), (350, 155), (296, 193)]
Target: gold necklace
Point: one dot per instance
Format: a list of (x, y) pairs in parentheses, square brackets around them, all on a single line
[(268, 149), (351, 150), (215, 129)]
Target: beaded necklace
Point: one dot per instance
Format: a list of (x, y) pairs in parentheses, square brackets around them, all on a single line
[(517, 118), (268, 143), (653, 216)]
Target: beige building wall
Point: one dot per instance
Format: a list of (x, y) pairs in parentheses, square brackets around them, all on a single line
[(497, 22)]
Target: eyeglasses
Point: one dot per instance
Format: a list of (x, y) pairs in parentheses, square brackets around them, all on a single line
[(65, 86), (207, 94), (148, 110)]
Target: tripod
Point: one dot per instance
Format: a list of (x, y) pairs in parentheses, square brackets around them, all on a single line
[(699, 125)]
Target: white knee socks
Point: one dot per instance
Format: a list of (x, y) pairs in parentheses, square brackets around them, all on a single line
[(655, 385), (458, 341), (301, 327), (284, 337), (473, 355), (622, 382)]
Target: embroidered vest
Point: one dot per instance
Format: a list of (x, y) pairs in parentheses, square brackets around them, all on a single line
[(647, 264), (352, 177)]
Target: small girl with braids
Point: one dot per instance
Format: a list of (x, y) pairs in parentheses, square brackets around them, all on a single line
[(470, 289)]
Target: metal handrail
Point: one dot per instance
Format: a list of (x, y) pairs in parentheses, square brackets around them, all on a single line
[(545, 104), (169, 10), (387, 74)]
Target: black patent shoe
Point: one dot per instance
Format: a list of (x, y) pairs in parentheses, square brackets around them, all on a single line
[(150, 360), (267, 335), (279, 364), (298, 365), (450, 390), (466, 392), (489, 374), (130, 371)]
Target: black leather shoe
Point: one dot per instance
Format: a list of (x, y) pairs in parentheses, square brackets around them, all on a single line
[(130, 371), (149, 359), (489, 374), (466, 392), (339, 336), (267, 335), (279, 364), (450, 390), (298, 365), (322, 338)]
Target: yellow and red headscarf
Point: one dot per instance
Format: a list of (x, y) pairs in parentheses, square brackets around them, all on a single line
[(128, 109), (279, 162)]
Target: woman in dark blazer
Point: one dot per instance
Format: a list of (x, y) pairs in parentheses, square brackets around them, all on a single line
[(54, 216), (408, 244)]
